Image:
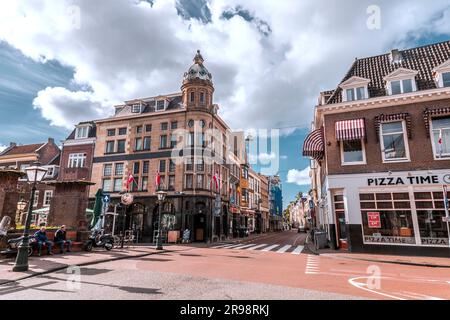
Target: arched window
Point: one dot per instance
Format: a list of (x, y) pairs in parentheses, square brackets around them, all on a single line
[(202, 97), (192, 99)]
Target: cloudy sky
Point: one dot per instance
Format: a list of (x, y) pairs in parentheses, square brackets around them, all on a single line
[(67, 61)]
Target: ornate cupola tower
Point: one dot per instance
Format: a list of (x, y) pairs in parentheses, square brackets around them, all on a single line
[(197, 86)]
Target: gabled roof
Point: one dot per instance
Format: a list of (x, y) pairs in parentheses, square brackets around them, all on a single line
[(422, 59), (18, 150)]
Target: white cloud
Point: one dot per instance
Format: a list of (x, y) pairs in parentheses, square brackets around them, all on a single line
[(2, 147), (126, 49), (300, 178)]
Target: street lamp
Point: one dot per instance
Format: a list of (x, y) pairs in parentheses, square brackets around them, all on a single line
[(161, 197), (35, 174)]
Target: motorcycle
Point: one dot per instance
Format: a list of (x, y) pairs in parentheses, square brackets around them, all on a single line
[(12, 246), (98, 239)]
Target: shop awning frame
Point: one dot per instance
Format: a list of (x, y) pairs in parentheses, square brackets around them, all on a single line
[(350, 130), (314, 145)]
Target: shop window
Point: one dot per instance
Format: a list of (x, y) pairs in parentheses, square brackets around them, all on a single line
[(440, 129), (393, 143), (390, 223), (433, 230)]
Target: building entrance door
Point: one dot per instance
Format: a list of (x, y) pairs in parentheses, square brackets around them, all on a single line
[(341, 225), (199, 227)]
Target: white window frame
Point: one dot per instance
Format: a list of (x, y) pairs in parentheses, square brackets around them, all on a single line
[(156, 105), (413, 83), (441, 79), (405, 140), (48, 194), (435, 149), (110, 184), (355, 93), (353, 84), (136, 108), (355, 163), (81, 132), (75, 159), (36, 199)]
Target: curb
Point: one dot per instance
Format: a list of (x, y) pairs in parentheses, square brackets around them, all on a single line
[(416, 264), (52, 270)]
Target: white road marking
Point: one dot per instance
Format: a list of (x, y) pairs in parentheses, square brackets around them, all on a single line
[(359, 285), (312, 265), (221, 246), (284, 249), (271, 247), (232, 246), (257, 247), (243, 246), (298, 250), (420, 296)]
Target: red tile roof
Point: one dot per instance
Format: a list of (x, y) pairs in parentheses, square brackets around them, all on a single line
[(17, 150)]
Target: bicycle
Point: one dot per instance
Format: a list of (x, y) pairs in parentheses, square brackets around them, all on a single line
[(310, 242)]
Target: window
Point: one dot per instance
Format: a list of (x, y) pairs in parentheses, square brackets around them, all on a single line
[(119, 169), (81, 132), (446, 79), (145, 184), (121, 146), (107, 170), (147, 143), (173, 141), (430, 211), (135, 185), (172, 166), (441, 131), (139, 129), (356, 94), (200, 179), (189, 181), (402, 86), (190, 123), (145, 167), (106, 185), (109, 146), (136, 108), (138, 144), (190, 139), (352, 152), (111, 132), (174, 125), (50, 172), (160, 105), (164, 126), (136, 167), (393, 144), (189, 164), (162, 166), (77, 160), (200, 165), (148, 128), (202, 97), (117, 185), (171, 183), (122, 131), (36, 199), (163, 142), (192, 96)]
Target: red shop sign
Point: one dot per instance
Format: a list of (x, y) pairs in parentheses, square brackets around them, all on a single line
[(374, 220)]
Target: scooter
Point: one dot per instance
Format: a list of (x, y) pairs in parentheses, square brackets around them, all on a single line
[(98, 239), (12, 246)]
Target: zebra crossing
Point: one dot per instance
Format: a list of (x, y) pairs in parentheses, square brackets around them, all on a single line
[(277, 248)]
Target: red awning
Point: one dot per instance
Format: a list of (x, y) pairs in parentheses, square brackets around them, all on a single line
[(314, 145), (350, 130)]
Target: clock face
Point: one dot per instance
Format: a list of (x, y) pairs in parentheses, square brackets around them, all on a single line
[(127, 198), (446, 178)]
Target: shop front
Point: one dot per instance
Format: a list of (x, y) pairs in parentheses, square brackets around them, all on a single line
[(401, 212)]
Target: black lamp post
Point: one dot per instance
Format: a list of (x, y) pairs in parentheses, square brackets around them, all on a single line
[(161, 197), (35, 174)]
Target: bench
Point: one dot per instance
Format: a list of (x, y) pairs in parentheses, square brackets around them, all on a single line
[(76, 246)]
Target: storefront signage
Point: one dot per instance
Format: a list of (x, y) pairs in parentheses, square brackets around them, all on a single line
[(435, 241), (374, 220), (389, 240), (392, 181)]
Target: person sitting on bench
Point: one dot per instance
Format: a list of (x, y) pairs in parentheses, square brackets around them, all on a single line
[(61, 239), (41, 238)]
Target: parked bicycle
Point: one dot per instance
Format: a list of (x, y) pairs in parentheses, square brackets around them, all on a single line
[(311, 243)]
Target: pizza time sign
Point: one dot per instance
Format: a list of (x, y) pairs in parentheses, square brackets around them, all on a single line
[(392, 181)]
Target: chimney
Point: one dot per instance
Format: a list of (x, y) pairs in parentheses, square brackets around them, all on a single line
[(396, 56), (12, 144), (51, 141)]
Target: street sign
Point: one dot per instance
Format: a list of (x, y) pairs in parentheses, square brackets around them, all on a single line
[(106, 198), (374, 220)]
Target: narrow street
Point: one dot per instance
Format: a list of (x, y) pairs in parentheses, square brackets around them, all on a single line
[(270, 267)]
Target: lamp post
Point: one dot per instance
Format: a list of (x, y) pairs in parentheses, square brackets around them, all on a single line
[(161, 197), (35, 174)]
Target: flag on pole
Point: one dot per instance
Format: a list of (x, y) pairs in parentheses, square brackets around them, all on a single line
[(157, 179), (216, 179), (130, 180), (440, 143)]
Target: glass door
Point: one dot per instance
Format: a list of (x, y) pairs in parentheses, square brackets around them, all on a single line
[(341, 225)]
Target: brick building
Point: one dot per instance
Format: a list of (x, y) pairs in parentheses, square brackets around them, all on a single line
[(381, 150), (181, 137), (19, 157)]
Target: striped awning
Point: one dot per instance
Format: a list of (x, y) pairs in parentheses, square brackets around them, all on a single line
[(428, 114), (314, 145), (350, 130)]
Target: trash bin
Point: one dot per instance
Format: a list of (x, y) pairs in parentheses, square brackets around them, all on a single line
[(320, 239)]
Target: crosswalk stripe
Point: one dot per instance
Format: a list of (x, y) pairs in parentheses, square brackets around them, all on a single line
[(284, 249), (271, 247), (244, 246), (257, 247), (298, 250), (221, 246)]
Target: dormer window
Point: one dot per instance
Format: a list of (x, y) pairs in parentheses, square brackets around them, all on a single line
[(355, 88), (136, 108), (442, 75), (160, 105), (401, 81), (81, 132)]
